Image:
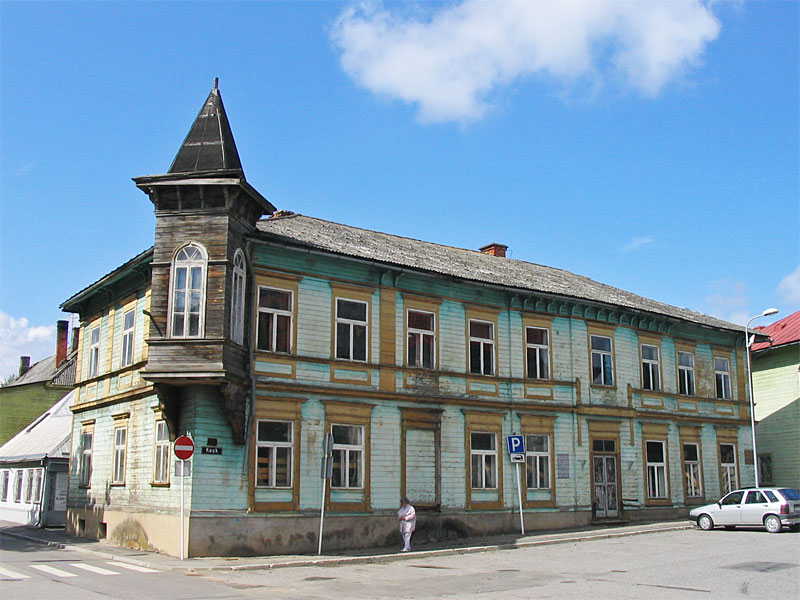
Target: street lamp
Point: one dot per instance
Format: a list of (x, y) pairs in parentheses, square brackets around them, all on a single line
[(747, 341)]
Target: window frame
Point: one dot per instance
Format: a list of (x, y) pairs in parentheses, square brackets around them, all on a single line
[(537, 350), (722, 379), (351, 324), (272, 447), (650, 367), (357, 449), (482, 344), (764, 480), (692, 471), (238, 296), (128, 339), (483, 454), (537, 456), (94, 351), (654, 468), (5, 485), (18, 482), (686, 375), (420, 335), (120, 455), (86, 458), (728, 471), (162, 453), (601, 353), (274, 314), (188, 264)]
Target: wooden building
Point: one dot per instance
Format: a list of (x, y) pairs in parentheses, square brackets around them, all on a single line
[(258, 331)]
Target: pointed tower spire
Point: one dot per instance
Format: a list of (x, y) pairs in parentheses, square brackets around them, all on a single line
[(209, 145)]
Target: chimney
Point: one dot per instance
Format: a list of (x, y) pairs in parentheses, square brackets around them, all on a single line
[(62, 330), (76, 333), (494, 249), (24, 365)]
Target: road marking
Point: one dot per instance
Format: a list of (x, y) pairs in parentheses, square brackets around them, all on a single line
[(93, 569), (8, 573), (132, 567), (53, 571)]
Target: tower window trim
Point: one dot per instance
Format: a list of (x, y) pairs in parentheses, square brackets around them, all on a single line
[(198, 260), (239, 285)]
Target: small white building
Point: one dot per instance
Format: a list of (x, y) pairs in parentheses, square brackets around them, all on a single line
[(34, 469)]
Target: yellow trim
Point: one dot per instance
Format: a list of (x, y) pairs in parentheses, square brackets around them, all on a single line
[(540, 425), (348, 292), (421, 305), (542, 322), (607, 331), (279, 283), (357, 414), (473, 313), (484, 422)]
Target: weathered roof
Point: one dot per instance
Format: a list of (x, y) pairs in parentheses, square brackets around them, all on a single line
[(46, 371), (47, 435), (209, 146), (785, 331), (471, 265)]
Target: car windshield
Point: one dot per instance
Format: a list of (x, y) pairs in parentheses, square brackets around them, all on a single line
[(790, 494)]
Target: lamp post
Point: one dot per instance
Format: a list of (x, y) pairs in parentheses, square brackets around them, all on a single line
[(766, 313)]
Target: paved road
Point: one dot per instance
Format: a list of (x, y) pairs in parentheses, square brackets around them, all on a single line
[(677, 564)]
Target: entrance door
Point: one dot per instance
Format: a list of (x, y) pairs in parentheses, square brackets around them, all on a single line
[(421, 467), (605, 485)]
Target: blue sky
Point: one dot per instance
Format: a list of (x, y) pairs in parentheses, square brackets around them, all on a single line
[(650, 146)]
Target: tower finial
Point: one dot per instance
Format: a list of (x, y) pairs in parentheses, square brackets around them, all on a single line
[(216, 83)]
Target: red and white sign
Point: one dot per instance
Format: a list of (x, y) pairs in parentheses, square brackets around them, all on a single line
[(184, 447)]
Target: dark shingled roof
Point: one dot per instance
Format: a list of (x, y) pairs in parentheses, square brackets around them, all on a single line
[(209, 145), (471, 265), (46, 371)]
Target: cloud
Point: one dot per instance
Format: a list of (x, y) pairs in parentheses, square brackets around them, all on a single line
[(637, 243), (789, 287), (727, 300), (19, 338), (450, 60)]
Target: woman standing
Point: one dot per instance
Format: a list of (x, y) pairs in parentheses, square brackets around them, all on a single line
[(408, 522)]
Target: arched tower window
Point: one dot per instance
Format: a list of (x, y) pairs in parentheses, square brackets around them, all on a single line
[(237, 298), (188, 283)]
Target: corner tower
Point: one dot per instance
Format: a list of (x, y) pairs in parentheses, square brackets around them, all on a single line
[(204, 208)]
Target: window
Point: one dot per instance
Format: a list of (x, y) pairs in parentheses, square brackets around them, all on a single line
[(161, 453), (765, 468), (727, 465), (120, 443), (483, 455), (237, 298), (275, 319), (348, 456), (274, 448), (537, 461), (691, 470), (755, 497), (28, 485), (36, 486), (602, 360), (537, 352), (351, 330), (421, 339), (188, 292), (732, 499), (656, 470), (650, 368), (686, 373), (481, 347), (722, 369), (4, 490), (94, 351), (86, 458), (18, 485), (127, 338)]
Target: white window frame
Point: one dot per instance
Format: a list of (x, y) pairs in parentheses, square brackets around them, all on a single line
[(161, 452), (274, 314), (238, 283), (651, 367), (18, 474), (686, 374), (533, 463), (6, 485), (36, 486), (29, 486), (728, 471), (120, 454), (351, 323), (656, 472), (606, 374), (537, 350), (188, 264), (483, 455), (346, 451), (722, 378), (692, 472), (416, 339), (271, 447), (126, 358), (94, 351), (482, 343), (85, 469)]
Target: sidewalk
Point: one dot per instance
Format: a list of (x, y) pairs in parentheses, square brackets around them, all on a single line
[(59, 539)]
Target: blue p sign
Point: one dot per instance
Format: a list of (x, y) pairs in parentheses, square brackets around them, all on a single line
[(516, 444)]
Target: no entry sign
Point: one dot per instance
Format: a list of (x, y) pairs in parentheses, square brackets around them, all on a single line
[(184, 447)]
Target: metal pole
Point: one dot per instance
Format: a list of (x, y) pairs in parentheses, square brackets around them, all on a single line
[(183, 480), (752, 401), (519, 495), (322, 507)]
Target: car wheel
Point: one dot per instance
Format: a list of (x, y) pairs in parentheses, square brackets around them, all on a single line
[(773, 524), (706, 523)]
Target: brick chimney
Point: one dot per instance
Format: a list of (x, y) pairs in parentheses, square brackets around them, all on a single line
[(24, 365), (494, 249), (62, 331)]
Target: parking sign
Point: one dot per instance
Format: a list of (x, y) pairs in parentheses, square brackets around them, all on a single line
[(516, 444)]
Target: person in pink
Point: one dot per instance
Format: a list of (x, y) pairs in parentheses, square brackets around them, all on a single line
[(408, 522)]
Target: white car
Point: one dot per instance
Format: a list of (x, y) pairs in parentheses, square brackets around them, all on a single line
[(772, 508)]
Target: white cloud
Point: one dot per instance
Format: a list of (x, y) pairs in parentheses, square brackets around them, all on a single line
[(450, 60), (19, 338), (789, 287), (727, 300), (637, 243)]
